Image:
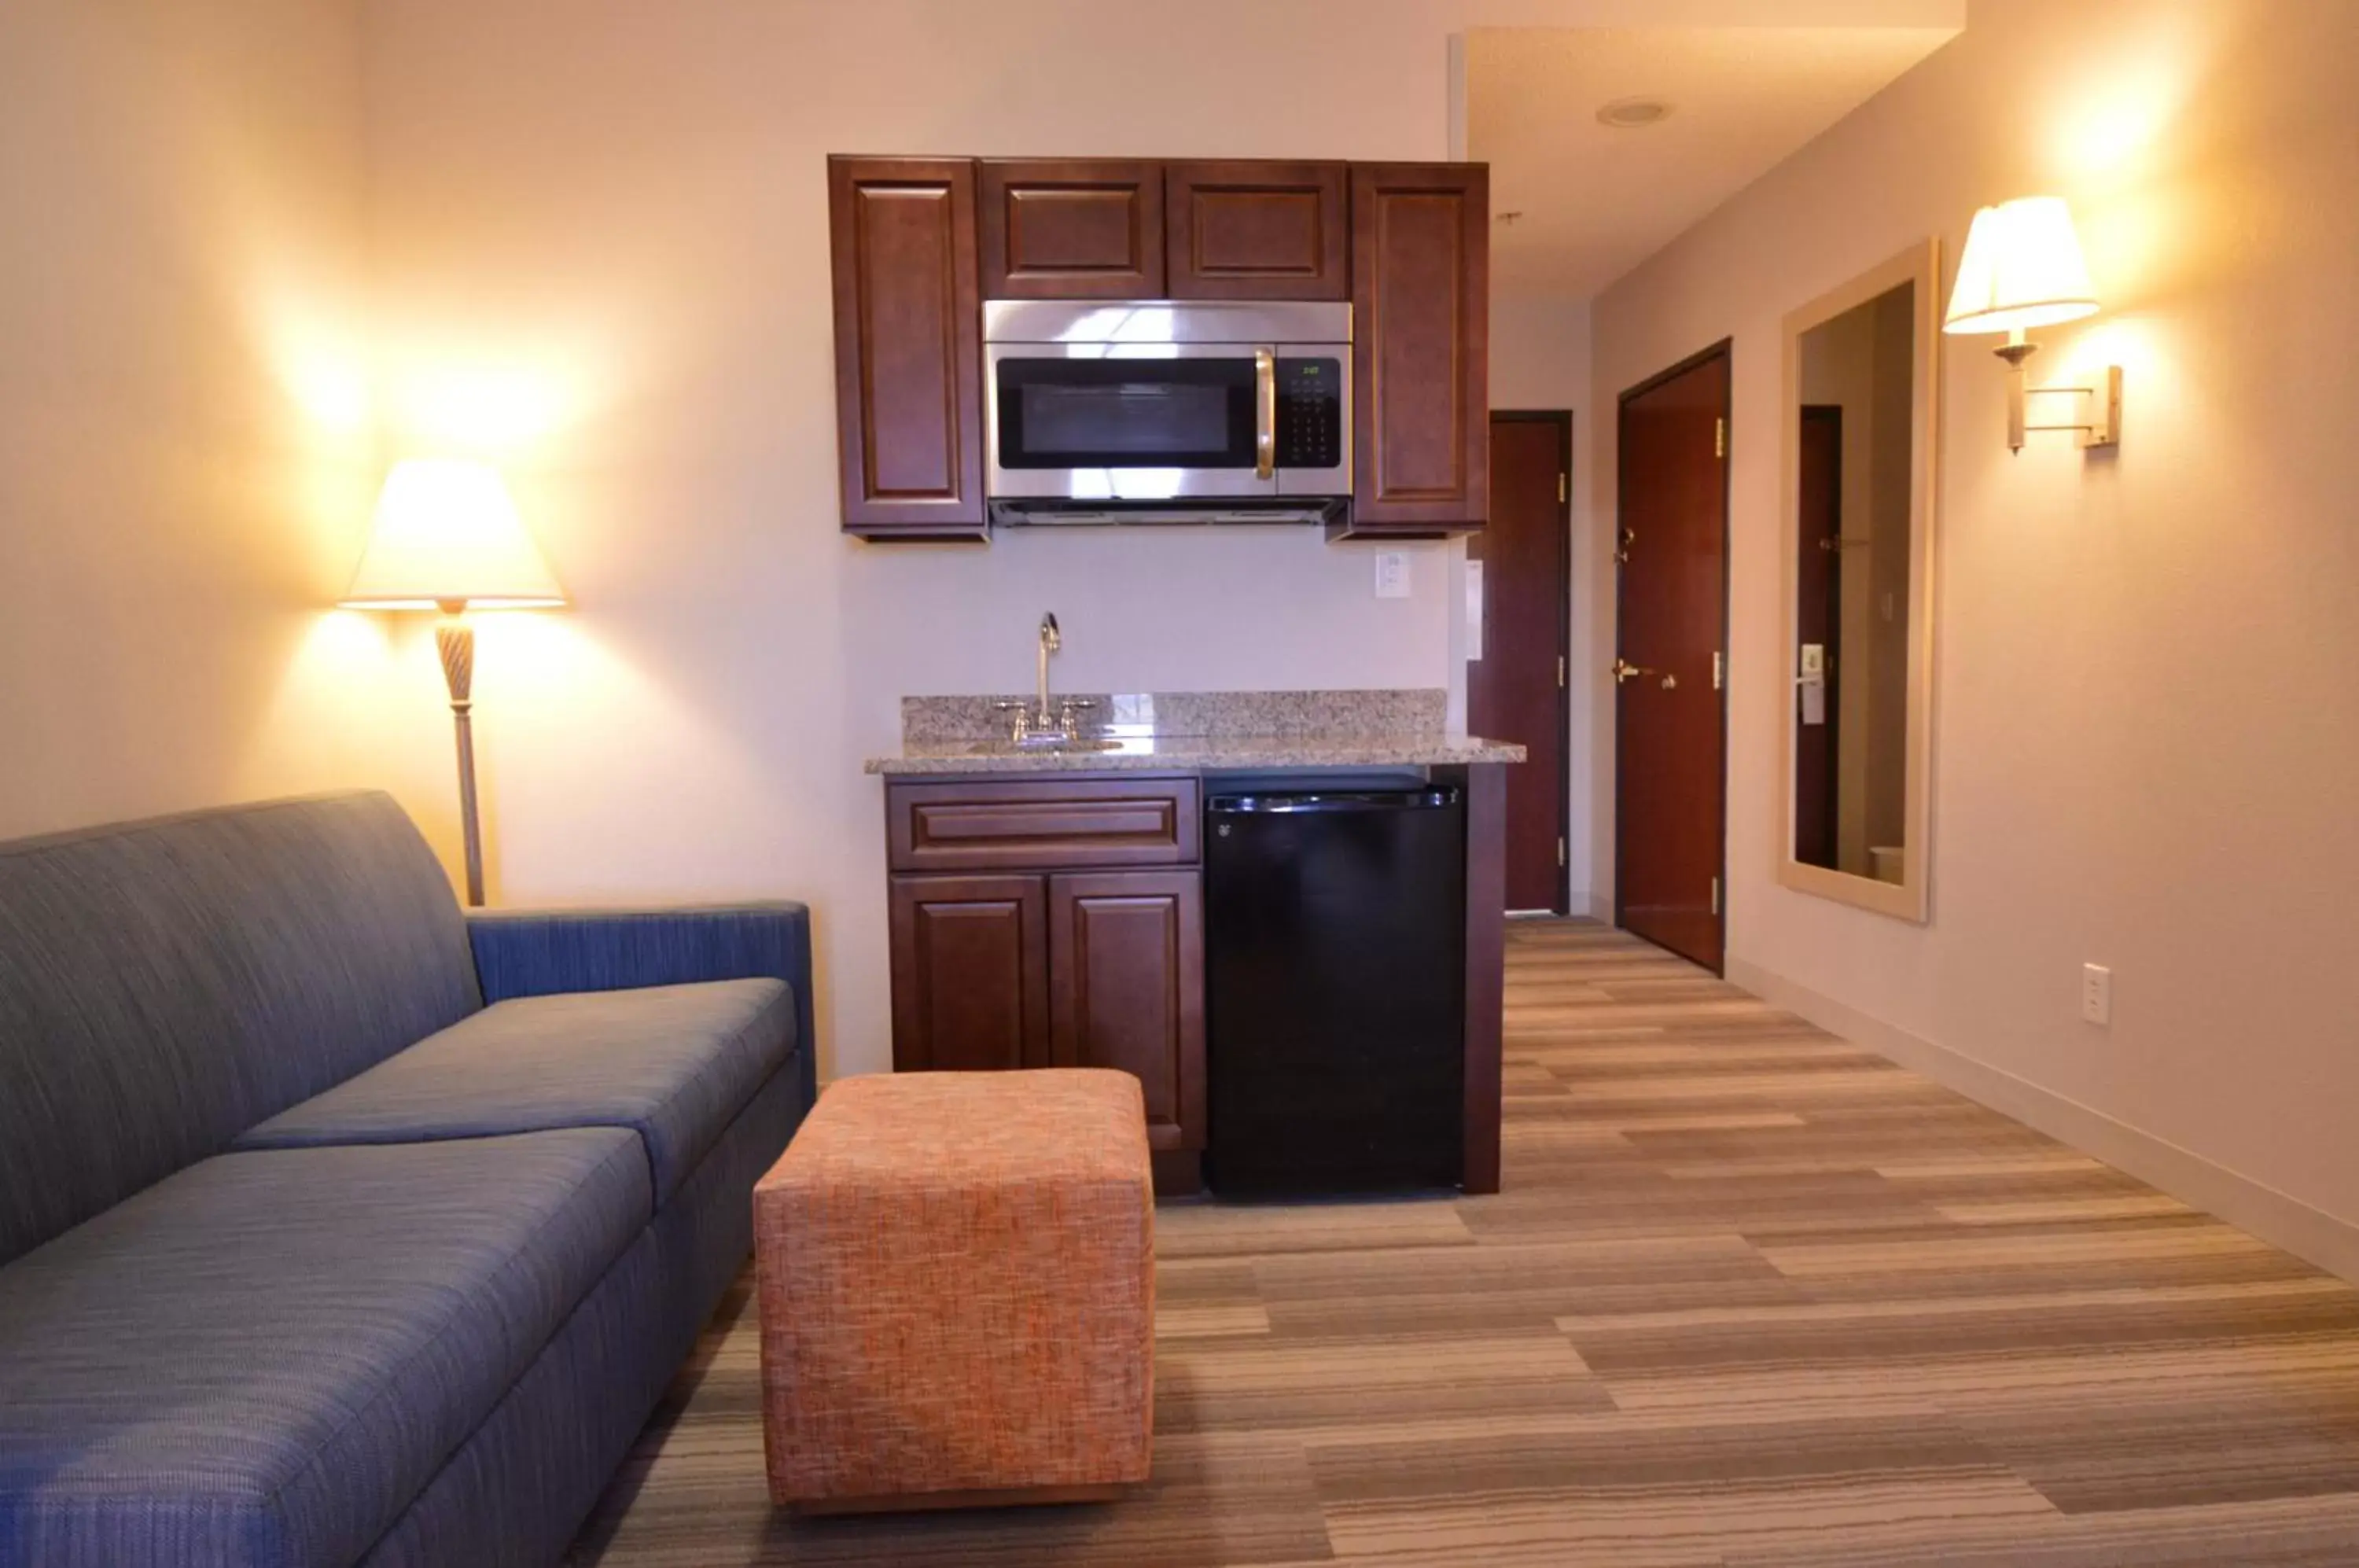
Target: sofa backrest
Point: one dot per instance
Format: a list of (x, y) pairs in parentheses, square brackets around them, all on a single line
[(166, 984)]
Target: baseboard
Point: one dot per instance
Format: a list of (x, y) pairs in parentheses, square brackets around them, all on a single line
[(2276, 1218), (1599, 905)]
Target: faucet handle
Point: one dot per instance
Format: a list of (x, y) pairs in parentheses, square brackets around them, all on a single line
[(1011, 707), (1078, 702)]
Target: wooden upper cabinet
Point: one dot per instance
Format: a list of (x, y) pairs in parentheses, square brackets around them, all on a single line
[(1257, 230), (1420, 335), (909, 353), (1071, 228)]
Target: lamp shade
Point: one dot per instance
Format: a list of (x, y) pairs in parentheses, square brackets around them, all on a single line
[(2022, 268), (447, 532)]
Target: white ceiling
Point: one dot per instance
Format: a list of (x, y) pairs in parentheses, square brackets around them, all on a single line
[(1597, 201)]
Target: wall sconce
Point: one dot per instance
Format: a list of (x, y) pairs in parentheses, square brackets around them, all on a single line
[(2022, 268)]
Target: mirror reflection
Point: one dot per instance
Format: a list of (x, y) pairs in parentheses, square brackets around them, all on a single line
[(1856, 381)]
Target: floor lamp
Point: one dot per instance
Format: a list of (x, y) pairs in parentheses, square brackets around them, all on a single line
[(447, 538)]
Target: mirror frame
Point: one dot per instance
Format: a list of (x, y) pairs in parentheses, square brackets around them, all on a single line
[(1910, 898)]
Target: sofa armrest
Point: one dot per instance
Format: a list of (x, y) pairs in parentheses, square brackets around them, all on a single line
[(534, 953)]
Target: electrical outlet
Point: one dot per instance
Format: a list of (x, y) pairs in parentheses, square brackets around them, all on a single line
[(1392, 574), (2096, 994)]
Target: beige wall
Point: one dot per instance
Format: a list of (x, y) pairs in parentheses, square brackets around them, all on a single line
[(2146, 721), (184, 445)]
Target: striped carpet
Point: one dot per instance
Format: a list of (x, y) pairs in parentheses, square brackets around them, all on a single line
[(1752, 1296)]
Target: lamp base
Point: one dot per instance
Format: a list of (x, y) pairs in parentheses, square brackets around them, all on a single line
[(454, 639)]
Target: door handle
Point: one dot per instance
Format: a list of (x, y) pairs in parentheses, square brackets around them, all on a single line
[(1624, 671), (1265, 413), (1629, 538)]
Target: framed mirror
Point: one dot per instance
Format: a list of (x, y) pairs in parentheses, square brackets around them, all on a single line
[(1856, 776)]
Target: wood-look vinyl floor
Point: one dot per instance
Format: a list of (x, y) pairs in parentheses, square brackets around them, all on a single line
[(1753, 1298)]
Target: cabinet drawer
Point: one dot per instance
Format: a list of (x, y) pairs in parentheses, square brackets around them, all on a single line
[(1041, 824)]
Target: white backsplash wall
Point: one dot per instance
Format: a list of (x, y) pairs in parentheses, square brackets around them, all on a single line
[(1146, 609)]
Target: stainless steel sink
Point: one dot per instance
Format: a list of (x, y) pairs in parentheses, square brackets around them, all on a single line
[(1043, 743)]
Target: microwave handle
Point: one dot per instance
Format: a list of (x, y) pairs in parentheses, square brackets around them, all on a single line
[(1265, 413)]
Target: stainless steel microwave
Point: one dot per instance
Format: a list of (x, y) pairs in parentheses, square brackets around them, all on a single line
[(1102, 411)]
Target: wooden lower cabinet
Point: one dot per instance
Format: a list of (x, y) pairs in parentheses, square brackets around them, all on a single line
[(970, 972), (1087, 969), (1126, 988)]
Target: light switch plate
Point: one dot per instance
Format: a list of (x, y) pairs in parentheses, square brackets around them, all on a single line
[(1392, 574), (2096, 994), (1474, 609)]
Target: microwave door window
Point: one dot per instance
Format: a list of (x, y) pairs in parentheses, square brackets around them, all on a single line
[(1148, 423), (1059, 413)]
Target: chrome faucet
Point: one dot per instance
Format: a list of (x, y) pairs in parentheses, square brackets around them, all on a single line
[(1045, 722), (1051, 640)]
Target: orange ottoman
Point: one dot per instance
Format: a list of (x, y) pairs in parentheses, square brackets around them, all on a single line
[(956, 1280)]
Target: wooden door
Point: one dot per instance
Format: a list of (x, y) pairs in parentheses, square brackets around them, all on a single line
[(908, 354), (1818, 621), (1258, 229), (1126, 988), (970, 972), (1071, 228), (1421, 366), (1670, 781), (1515, 675)]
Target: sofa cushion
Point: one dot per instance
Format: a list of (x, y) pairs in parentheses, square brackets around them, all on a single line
[(673, 1064), (166, 984), (265, 1358)]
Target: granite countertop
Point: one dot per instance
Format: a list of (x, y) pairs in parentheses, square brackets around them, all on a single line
[(1196, 730)]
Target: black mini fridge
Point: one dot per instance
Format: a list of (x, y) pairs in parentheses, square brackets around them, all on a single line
[(1335, 933)]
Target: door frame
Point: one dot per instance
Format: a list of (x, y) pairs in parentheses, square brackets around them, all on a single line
[(1724, 349), (1562, 420)]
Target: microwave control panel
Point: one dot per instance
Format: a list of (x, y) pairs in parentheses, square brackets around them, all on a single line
[(1310, 413)]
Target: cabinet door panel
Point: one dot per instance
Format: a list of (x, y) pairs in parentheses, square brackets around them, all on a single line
[(1252, 229), (1126, 984), (1066, 229), (970, 972), (1420, 297), (909, 356)]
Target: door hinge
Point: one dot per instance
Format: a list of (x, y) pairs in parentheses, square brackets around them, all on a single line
[(1563, 488), (1720, 437), (1559, 672), (1719, 669), (1560, 854), (1715, 895)]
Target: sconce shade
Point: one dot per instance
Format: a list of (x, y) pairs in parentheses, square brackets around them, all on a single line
[(2022, 267), (446, 531)]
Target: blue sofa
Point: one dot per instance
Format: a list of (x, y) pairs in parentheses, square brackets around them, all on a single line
[(337, 1226)]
